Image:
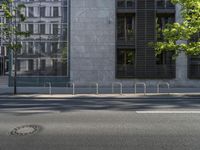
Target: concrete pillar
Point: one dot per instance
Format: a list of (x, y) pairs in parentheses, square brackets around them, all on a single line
[(181, 61), (92, 53)]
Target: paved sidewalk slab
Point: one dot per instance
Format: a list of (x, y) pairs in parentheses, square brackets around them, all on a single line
[(100, 96)]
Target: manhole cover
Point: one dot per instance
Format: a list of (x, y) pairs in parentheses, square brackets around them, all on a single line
[(25, 130)]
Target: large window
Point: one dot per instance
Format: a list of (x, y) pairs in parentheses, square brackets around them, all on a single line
[(55, 11), (42, 11), (30, 12), (42, 47), (125, 3), (45, 52), (30, 65), (42, 64), (18, 65), (162, 21), (55, 29), (125, 62), (194, 61), (54, 47), (30, 48), (42, 29), (164, 4), (30, 28), (125, 28)]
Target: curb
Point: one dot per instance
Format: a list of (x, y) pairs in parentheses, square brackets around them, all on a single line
[(105, 96)]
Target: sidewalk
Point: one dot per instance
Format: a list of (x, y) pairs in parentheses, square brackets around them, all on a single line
[(92, 91), (3, 82), (103, 93)]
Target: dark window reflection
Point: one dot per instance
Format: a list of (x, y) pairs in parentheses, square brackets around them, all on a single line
[(30, 47), (30, 65), (125, 28), (30, 12), (125, 62), (55, 29), (42, 28), (18, 65), (194, 61), (42, 65), (42, 11), (54, 47), (66, 12), (55, 11), (30, 28), (162, 21), (126, 56), (125, 3), (164, 4), (42, 47)]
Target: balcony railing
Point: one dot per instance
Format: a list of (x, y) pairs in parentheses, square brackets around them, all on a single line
[(129, 4), (128, 41), (164, 4), (125, 70), (161, 71), (125, 4)]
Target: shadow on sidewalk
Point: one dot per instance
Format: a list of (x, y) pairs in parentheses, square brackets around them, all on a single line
[(43, 105)]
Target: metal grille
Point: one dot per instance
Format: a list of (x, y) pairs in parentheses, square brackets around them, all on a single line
[(145, 62)]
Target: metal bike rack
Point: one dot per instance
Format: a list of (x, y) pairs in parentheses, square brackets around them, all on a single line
[(163, 83), (73, 87), (117, 83), (96, 85), (50, 87), (141, 83)]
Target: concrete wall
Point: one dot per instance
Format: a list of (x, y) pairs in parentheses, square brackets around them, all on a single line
[(93, 47), (92, 40)]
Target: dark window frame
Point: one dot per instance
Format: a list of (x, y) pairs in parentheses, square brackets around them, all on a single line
[(31, 28), (30, 65), (42, 28), (43, 11), (55, 11), (30, 11)]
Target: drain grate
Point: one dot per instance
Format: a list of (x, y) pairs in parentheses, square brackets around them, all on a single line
[(25, 130)]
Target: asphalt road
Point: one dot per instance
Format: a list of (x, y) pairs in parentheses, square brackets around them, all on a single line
[(101, 124)]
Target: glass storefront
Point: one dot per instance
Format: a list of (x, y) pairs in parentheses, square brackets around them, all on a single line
[(45, 52)]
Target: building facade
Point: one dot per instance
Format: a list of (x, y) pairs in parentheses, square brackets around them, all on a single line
[(102, 41), (109, 43)]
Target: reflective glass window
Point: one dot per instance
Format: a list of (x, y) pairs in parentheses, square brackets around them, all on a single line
[(45, 51)]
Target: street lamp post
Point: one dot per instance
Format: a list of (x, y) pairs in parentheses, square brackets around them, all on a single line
[(16, 49)]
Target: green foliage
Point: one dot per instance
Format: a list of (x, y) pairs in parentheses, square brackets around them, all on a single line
[(185, 31), (13, 13), (64, 53)]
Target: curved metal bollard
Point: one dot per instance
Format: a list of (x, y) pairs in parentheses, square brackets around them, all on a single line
[(96, 85), (50, 88), (141, 83), (117, 83), (164, 83), (73, 87)]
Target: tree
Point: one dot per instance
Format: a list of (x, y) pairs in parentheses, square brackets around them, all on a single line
[(11, 34), (186, 31)]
